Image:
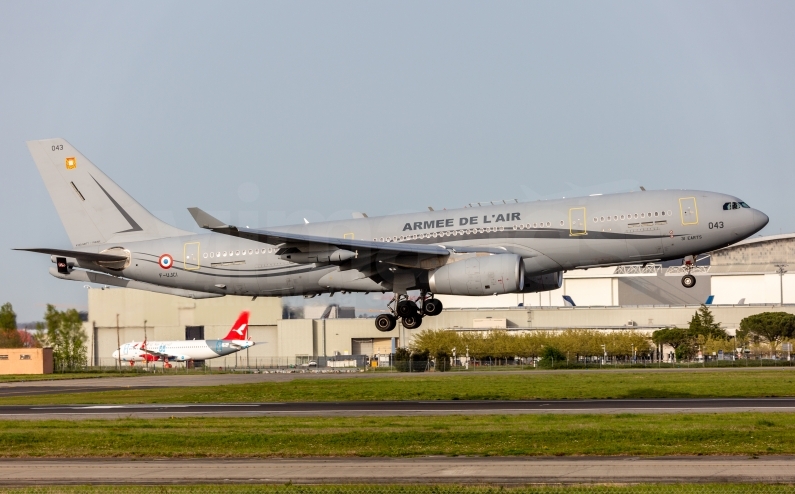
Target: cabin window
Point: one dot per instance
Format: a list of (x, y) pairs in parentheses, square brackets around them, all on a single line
[(205, 255)]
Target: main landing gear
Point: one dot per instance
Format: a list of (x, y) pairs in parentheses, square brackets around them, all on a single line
[(408, 311)]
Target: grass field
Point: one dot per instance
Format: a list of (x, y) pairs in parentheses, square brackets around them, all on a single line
[(487, 386), (60, 377), (495, 435), (420, 489)]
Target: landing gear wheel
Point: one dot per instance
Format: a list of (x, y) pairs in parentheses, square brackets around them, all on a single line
[(432, 307), (688, 281), (412, 322), (385, 322), (406, 308)]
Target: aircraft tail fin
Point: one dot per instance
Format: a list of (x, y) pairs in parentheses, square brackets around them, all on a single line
[(92, 208), (239, 330)]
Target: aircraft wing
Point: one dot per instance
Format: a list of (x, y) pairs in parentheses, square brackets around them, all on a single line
[(314, 243), (76, 254), (157, 354)]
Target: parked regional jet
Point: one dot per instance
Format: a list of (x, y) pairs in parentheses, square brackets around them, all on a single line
[(483, 250), (184, 350)]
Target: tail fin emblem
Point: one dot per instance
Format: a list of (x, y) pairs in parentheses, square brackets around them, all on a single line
[(71, 163)]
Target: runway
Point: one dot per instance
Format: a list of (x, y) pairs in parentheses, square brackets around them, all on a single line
[(399, 408), (409, 471)]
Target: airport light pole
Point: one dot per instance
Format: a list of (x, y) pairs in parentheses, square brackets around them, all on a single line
[(118, 344), (145, 359), (780, 269)]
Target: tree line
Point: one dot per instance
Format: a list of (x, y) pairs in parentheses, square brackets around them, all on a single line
[(61, 330), (702, 333)]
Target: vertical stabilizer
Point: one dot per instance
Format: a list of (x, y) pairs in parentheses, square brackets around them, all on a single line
[(239, 330), (93, 209)]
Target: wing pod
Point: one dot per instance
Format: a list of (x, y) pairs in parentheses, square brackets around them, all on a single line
[(323, 257)]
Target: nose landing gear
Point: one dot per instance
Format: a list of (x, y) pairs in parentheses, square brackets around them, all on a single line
[(688, 280), (409, 312)]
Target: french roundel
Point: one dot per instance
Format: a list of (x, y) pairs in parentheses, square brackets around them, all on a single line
[(166, 261)]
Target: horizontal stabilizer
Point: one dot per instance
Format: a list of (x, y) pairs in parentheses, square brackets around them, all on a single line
[(76, 254), (105, 279)]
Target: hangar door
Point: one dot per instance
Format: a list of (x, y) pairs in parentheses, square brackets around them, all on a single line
[(361, 346)]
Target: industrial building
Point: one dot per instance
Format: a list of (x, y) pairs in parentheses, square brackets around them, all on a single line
[(744, 279)]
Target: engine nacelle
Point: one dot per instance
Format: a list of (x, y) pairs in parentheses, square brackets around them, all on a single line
[(480, 275), (543, 282)]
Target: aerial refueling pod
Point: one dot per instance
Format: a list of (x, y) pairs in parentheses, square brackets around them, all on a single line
[(323, 257), (543, 282), (479, 275)]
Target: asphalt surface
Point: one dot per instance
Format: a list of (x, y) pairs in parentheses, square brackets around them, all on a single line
[(413, 470), (399, 408)]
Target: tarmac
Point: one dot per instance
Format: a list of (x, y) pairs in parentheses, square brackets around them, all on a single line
[(398, 408), (496, 470)]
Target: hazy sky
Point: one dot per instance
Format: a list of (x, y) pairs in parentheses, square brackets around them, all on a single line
[(265, 113)]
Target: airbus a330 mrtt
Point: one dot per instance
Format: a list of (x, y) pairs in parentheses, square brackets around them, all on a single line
[(478, 251)]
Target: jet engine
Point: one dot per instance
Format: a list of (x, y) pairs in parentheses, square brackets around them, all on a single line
[(543, 282), (479, 275)]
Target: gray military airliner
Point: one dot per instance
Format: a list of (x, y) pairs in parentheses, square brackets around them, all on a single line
[(483, 250)]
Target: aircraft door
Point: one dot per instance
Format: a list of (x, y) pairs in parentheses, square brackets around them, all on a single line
[(577, 222), (688, 210), (191, 256)]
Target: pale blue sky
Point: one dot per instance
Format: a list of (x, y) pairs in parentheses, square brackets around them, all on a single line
[(271, 112)]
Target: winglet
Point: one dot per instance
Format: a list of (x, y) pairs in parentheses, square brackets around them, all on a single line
[(204, 220)]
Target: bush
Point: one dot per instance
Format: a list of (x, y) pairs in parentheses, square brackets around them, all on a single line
[(405, 361), (550, 355), (442, 361)]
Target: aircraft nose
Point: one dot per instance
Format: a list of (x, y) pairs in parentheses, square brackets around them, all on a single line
[(760, 219)]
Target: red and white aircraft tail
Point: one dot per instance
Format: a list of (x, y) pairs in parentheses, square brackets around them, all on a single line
[(239, 330)]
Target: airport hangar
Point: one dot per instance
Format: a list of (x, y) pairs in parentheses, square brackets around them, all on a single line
[(744, 279)]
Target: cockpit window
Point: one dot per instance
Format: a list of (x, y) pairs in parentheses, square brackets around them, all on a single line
[(735, 205), (730, 205)]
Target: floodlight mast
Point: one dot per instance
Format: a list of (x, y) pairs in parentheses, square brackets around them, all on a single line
[(781, 270)]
